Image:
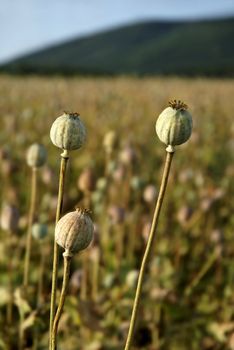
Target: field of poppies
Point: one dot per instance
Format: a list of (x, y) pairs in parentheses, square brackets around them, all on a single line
[(187, 300)]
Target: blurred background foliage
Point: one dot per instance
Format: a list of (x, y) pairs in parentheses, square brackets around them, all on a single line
[(187, 300)]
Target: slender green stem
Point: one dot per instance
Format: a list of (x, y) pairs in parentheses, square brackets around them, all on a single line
[(32, 210), (41, 276), (66, 274), (148, 248), (63, 166), (39, 294)]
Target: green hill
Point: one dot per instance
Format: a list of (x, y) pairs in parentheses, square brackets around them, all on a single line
[(180, 48)]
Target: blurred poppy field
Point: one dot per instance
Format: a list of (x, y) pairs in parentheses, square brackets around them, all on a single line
[(188, 299)]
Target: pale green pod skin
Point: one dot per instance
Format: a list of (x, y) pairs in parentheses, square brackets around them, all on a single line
[(174, 126), (74, 231), (68, 132), (39, 231), (36, 155)]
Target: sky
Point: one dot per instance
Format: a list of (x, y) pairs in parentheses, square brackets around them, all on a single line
[(26, 25)]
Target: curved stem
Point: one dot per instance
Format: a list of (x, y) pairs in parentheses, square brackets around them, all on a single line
[(63, 166), (148, 248), (66, 274), (30, 223)]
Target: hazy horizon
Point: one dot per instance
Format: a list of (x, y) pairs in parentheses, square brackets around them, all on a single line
[(40, 23)]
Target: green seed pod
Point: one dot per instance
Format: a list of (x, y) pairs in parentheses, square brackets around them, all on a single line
[(68, 132), (74, 231), (128, 155), (174, 124), (36, 155), (137, 183), (86, 181), (116, 214), (39, 231), (150, 194)]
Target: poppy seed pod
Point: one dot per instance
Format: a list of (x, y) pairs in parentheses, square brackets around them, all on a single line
[(36, 155), (136, 183), (174, 124), (149, 193), (86, 181), (110, 141), (216, 236), (184, 214), (101, 184), (39, 231), (119, 173), (116, 214), (8, 167), (48, 175), (76, 280), (74, 231), (68, 132), (9, 218), (128, 155)]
